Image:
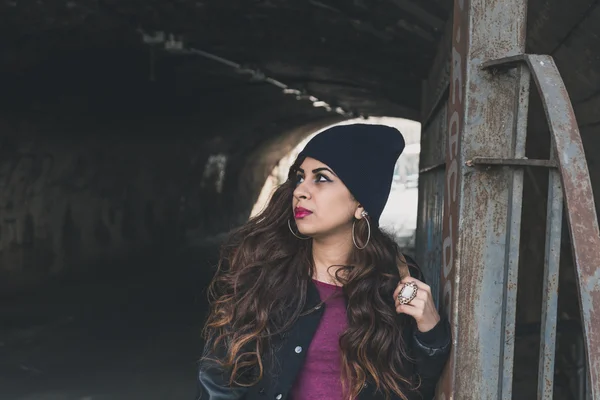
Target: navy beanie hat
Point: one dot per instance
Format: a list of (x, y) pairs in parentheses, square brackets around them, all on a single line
[(363, 156)]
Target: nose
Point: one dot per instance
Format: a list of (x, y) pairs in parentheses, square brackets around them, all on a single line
[(302, 191)]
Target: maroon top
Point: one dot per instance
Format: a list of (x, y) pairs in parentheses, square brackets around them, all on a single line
[(320, 377)]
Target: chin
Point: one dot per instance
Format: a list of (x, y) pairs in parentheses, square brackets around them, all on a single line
[(306, 228)]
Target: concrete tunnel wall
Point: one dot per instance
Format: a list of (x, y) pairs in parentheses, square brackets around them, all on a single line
[(84, 197)]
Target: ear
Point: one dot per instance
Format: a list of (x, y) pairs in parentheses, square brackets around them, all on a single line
[(358, 212)]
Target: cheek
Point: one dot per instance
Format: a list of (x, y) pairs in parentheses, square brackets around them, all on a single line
[(337, 207)]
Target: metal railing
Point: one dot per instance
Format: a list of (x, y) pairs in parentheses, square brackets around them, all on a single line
[(569, 179)]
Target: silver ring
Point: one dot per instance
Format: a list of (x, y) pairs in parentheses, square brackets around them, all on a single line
[(408, 293)]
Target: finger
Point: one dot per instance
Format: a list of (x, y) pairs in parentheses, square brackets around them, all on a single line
[(409, 279), (418, 303), (408, 310), (398, 290), (423, 295), (414, 310), (397, 303)]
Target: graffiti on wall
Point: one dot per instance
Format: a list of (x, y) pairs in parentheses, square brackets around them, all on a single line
[(451, 193)]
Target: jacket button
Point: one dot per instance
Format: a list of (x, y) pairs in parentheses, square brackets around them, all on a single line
[(298, 349), (279, 396)]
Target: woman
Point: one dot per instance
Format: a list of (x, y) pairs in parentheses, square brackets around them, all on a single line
[(312, 300)]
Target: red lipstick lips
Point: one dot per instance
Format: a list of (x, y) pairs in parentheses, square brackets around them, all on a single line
[(300, 212)]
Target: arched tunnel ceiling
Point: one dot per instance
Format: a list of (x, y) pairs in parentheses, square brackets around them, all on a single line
[(367, 57)]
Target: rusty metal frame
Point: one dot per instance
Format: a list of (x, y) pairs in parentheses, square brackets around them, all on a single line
[(581, 217), (549, 318), (485, 156), (482, 211), (510, 162)]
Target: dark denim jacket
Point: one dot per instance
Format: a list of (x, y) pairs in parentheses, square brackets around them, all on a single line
[(430, 351)]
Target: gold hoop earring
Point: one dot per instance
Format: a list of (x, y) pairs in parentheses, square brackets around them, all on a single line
[(293, 233), (364, 215)]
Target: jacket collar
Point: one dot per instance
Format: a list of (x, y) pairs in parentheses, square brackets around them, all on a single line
[(312, 295)]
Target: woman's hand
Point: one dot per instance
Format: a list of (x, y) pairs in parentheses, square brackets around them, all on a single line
[(421, 308)]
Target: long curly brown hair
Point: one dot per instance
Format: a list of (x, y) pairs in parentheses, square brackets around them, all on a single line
[(259, 292)]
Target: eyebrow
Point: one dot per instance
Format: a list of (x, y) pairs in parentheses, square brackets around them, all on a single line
[(314, 171)]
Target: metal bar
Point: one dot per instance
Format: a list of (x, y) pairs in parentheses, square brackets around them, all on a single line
[(432, 168), (510, 162), (481, 205), (430, 214), (513, 235), (579, 199), (505, 62), (436, 87), (550, 293)]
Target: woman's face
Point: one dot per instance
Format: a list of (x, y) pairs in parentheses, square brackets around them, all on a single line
[(322, 204)]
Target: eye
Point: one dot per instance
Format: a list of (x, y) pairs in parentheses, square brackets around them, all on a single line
[(322, 178), (299, 179)]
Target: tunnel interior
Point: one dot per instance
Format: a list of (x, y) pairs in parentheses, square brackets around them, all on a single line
[(133, 135)]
